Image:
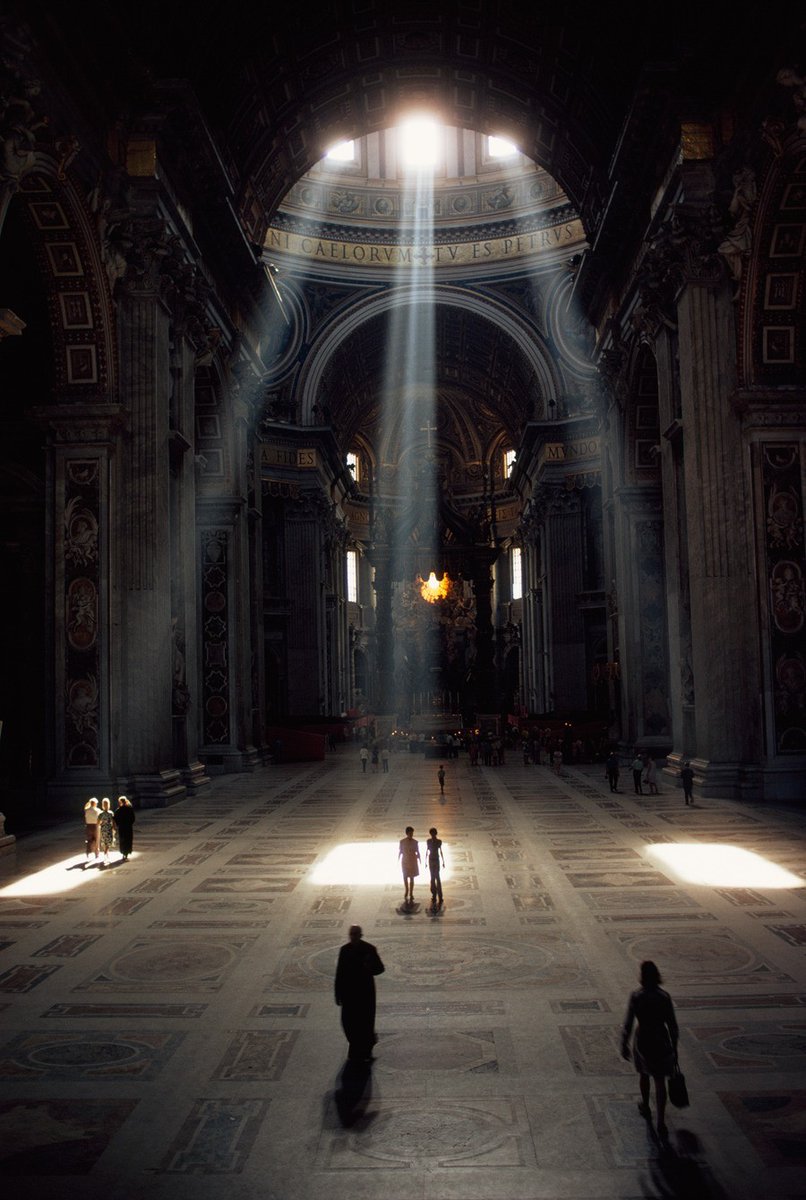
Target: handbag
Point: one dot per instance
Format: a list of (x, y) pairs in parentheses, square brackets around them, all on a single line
[(678, 1092)]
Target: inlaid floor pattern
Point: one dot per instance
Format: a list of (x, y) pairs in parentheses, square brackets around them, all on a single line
[(168, 1027)]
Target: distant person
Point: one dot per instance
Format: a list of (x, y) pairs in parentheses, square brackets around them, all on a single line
[(358, 964), (375, 759), (436, 858), (385, 760), (91, 814), (651, 777), (557, 761), (363, 754), (612, 770), (409, 855), (687, 780), (441, 778), (654, 1049), (637, 768), (106, 830), (124, 820)]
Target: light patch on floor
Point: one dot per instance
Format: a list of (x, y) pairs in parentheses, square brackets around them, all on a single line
[(373, 864), (718, 865)]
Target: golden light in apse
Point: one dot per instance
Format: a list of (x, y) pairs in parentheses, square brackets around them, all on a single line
[(372, 864), (433, 589), (716, 865)]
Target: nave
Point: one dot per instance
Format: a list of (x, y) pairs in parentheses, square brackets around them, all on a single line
[(168, 1027)]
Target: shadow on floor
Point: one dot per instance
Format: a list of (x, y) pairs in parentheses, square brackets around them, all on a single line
[(353, 1094), (680, 1172)]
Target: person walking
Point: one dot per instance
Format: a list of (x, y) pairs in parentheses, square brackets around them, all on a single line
[(124, 822), (357, 965), (106, 830), (637, 767), (612, 770), (385, 759), (654, 1049), (363, 754), (91, 814), (441, 778), (375, 758), (651, 777), (687, 780), (436, 858), (409, 855)]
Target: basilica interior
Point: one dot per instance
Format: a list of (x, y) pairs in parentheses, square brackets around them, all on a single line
[(418, 366), (375, 372)]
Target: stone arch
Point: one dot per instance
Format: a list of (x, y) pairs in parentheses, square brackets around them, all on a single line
[(67, 236), (772, 352), (524, 337), (527, 82)]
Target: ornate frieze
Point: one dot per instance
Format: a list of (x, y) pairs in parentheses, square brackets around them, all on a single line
[(81, 518), (785, 564), (215, 665)]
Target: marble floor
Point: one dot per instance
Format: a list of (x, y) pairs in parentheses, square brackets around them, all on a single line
[(168, 1027)]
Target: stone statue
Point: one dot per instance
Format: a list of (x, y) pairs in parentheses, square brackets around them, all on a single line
[(737, 245)]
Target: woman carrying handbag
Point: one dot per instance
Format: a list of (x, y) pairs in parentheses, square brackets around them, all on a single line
[(654, 1050)]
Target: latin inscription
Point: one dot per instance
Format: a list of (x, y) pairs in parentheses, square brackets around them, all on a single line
[(458, 253), (276, 456)]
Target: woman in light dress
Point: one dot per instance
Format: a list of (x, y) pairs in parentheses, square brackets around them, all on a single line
[(106, 830)]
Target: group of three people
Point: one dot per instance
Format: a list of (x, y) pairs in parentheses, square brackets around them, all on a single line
[(103, 828)]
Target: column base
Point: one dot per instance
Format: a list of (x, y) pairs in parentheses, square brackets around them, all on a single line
[(719, 780), (158, 790), (229, 760), (195, 777), (784, 781)]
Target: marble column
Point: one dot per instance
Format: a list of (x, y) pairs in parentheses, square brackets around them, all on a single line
[(562, 540), (184, 625), (725, 652), (639, 562), (678, 590), (384, 655), (304, 572), (483, 670), (144, 644)]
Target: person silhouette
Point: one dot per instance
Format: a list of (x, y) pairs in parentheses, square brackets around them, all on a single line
[(435, 854), (357, 965), (409, 855), (654, 1050)]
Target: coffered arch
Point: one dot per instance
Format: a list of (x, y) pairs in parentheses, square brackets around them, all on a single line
[(513, 353)]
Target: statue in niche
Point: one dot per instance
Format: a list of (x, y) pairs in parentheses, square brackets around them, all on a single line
[(180, 692), (18, 130), (788, 77), (737, 245)]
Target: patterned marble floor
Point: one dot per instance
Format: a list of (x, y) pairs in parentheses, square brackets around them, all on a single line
[(167, 1025)]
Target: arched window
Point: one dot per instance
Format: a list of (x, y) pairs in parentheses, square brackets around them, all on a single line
[(352, 577), (516, 567)]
